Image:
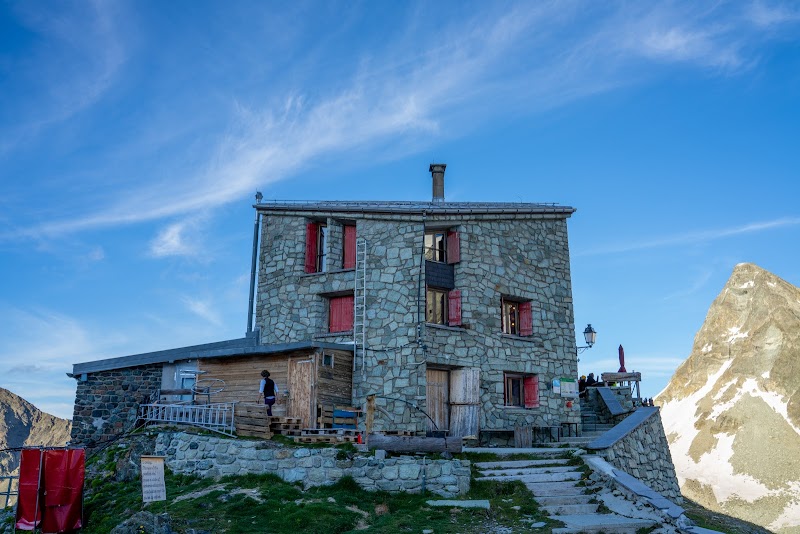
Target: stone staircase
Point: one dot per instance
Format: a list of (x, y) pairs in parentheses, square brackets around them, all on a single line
[(559, 488)]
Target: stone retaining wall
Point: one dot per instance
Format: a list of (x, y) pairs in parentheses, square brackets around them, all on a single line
[(210, 456), (107, 402), (638, 446)]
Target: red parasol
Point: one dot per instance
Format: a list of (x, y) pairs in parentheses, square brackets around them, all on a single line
[(621, 360)]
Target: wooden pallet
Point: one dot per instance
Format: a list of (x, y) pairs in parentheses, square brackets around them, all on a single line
[(330, 431), (325, 439), (296, 432)]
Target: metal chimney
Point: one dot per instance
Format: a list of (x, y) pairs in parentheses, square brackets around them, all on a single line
[(437, 172)]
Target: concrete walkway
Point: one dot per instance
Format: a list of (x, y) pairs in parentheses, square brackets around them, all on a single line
[(560, 491)]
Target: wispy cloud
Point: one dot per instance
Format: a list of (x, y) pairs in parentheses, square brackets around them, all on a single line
[(77, 62), (204, 309), (697, 284), (520, 60), (180, 238), (691, 238)]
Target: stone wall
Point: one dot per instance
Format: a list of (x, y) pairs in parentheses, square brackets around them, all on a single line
[(520, 256), (638, 446), (210, 456), (107, 402)]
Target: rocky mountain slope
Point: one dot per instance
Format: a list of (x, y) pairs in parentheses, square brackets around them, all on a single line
[(731, 411), (22, 423)]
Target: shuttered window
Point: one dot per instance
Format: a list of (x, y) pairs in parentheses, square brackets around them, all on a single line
[(454, 308), (516, 317), (453, 247), (521, 390), (311, 247), (349, 256), (531, 385), (340, 314), (316, 234)]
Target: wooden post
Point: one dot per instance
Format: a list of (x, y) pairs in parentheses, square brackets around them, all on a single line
[(523, 437), (370, 419)]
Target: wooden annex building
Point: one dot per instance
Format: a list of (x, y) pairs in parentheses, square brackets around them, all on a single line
[(311, 377)]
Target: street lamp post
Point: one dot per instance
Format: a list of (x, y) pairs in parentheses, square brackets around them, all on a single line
[(590, 335)]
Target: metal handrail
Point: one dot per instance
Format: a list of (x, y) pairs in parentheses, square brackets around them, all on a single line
[(216, 417), (9, 489)]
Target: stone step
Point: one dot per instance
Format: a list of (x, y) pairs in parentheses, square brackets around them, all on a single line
[(527, 470), (543, 477), (538, 451), (553, 500), (570, 509), (555, 489), (519, 463), (596, 523)]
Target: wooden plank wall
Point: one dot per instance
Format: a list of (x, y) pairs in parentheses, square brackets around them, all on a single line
[(242, 376), (335, 384)]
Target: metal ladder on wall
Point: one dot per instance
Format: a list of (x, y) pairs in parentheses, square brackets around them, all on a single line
[(360, 306)]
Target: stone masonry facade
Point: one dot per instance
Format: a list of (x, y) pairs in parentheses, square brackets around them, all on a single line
[(643, 452), (210, 456), (107, 402), (520, 256)]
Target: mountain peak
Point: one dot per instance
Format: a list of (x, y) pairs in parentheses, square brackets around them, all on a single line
[(732, 409)]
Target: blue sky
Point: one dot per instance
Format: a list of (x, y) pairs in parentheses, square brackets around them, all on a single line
[(133, 136)]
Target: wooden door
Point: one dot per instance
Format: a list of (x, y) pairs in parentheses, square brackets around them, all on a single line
[(438, 400), (301, 390), (465, 398)]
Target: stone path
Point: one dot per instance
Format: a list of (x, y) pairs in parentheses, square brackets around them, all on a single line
[(555, 485)]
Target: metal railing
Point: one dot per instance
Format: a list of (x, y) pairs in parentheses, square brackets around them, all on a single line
[(9, 490), (215, 417)]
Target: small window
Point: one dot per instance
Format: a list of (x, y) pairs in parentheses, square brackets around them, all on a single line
[(340, 314), (436, 305), (327, 360), (436, 246), (521, 390), (516, 318), (510, 318), (442, 246), (316, 237)]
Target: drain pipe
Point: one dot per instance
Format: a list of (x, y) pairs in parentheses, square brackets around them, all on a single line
[(259, 196)]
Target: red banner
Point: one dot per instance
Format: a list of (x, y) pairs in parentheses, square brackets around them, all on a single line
[(56, 492)]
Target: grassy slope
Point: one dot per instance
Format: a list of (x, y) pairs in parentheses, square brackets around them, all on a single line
[(266, 504)]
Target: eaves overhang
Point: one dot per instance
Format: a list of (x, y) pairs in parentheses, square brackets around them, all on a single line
[(414, 208), (246, 346)]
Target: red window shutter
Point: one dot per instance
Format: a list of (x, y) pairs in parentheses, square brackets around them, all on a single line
[(341, 314), (349, 247), (454, 307), (531, 385), (453, 247), (311, 247), (525, 319)]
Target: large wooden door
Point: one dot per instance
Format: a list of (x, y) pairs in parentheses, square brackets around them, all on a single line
[(438, 400), (301, 390), (465, 398)]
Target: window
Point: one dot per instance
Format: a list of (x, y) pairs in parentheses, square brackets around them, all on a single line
[(316, 236), (443, 306), (340, 314), (516, 318), (327, 360), (436, 305), (442, 246), (436, 246), (349, 246), (521, 390)]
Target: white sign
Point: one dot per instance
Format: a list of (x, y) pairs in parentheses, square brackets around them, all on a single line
[(556, 385), (153, 488), (569, 388)]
